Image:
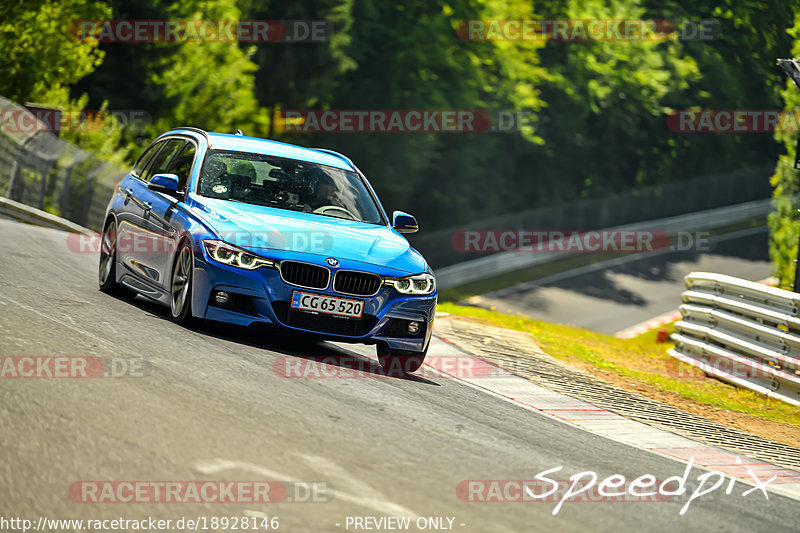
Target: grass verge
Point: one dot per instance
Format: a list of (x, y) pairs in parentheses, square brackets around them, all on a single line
[(641, 365)]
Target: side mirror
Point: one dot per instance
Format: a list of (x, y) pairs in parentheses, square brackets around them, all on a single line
[(404, 223), (166, 183)]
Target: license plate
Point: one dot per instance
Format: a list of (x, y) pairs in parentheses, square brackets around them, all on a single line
[(318, 303)]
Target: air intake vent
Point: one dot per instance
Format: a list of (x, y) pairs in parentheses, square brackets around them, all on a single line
[(356, 283), (331, 324), (305, 275)]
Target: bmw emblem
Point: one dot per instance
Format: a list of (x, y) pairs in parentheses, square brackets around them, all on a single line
[(332, 262)]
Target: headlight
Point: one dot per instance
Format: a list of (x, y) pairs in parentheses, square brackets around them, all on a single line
[(227, 254), (419, 284)]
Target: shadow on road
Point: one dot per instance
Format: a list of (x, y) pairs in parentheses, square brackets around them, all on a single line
[(287, 343), (658, 268)]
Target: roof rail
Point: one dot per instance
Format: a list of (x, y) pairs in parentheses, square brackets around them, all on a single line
[(337, 154), (204, 133)]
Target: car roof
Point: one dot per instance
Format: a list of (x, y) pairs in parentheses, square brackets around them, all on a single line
[(242, 143)]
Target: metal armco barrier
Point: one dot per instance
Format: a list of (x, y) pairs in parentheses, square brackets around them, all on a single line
[(40, 170), (742, 332)]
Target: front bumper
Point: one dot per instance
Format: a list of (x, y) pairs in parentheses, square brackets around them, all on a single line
[(261, 296)]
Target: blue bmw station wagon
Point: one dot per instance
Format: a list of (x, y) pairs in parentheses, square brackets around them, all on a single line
[(244, 230)]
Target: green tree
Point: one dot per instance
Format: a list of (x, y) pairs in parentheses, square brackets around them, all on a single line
[(409, 56), (783, 223), (604, 126), (39, 56), (191, 83), (737, 72), (299, 75)]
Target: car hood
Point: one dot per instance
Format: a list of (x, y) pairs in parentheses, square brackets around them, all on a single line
[(284, 234)]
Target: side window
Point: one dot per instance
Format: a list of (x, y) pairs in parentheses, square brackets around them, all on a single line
[(182, 167), (146, 157), (161, 161)]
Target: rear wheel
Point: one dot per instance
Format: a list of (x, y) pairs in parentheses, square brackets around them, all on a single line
[(400, 362), (107, 271), (181, 286)]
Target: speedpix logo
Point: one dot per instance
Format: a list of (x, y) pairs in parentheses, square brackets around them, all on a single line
[(589, 487)]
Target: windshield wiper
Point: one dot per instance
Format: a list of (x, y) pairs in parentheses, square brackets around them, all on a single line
[(334, 216)]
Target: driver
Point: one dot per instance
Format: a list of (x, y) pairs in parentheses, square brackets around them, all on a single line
[(323, 190), (243, 175), (213, 180)]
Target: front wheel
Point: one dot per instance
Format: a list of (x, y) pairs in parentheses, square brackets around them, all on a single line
[(400, 362), (181, 287)]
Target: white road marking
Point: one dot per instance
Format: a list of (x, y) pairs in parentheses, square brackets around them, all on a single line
[(376, 501), (326, 467), (73, 327)]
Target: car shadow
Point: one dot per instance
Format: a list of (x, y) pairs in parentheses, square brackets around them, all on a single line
[(320, 356), (595, 284)]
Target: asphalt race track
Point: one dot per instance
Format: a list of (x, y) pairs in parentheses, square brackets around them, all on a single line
[(208, 404)]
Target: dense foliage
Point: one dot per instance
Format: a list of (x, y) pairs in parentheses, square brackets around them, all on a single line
[(592, 115), (784, 221)]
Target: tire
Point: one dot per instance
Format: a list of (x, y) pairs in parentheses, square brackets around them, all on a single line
[(180, 299), (400, 362), (107, 268)]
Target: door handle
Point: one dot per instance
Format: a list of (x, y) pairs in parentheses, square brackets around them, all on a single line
[(128, 194)]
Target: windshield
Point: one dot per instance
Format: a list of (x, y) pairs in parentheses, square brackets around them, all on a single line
[(287, 184)]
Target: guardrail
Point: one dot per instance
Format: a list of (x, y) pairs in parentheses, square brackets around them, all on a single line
[(503, 262), (636, 207), (741, 332), (40, 170)]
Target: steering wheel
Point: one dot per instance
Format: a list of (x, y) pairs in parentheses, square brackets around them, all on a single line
[(336, 211)]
